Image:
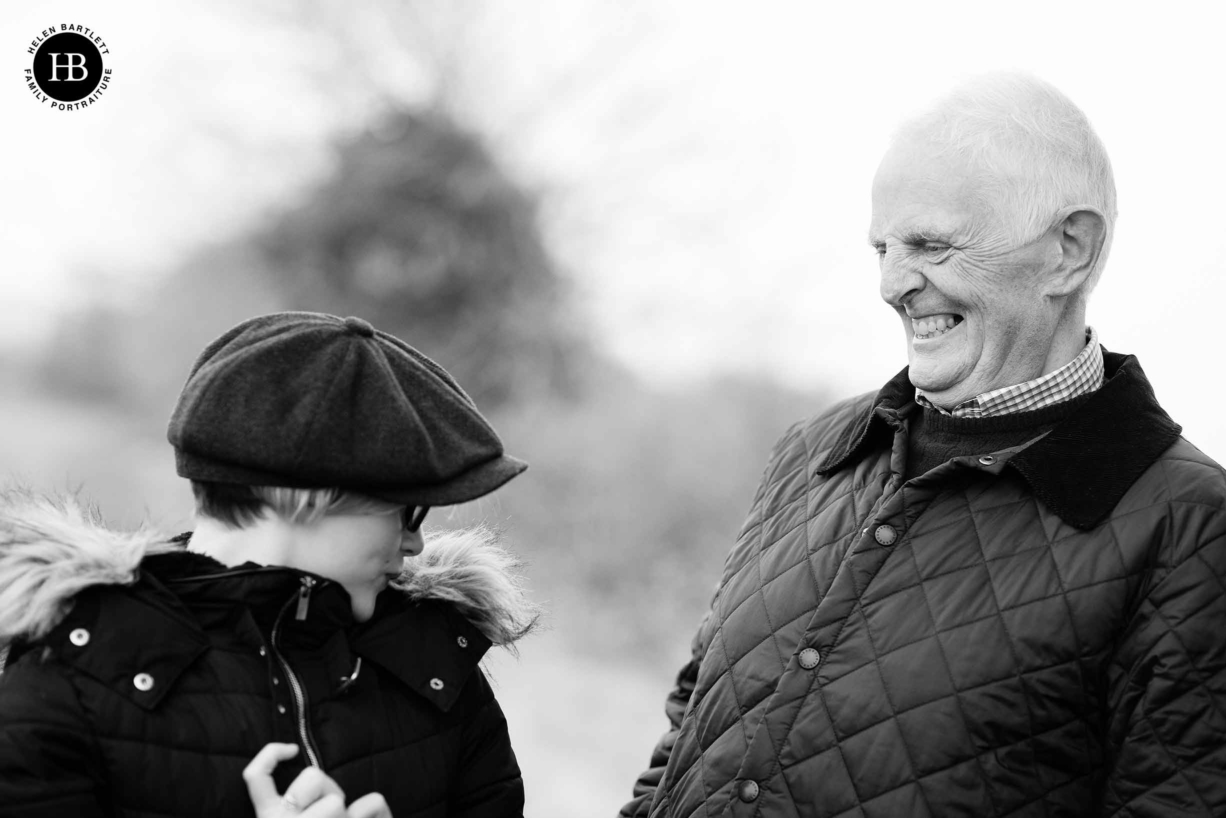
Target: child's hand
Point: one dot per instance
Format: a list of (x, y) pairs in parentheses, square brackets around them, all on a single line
[(311, 795)]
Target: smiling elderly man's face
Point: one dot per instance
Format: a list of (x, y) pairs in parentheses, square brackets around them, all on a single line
[(971, 302)]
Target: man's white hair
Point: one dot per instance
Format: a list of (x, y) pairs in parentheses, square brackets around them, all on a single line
[(1035, 143)]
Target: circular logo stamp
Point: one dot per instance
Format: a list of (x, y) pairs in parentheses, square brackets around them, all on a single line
[(68, 71)]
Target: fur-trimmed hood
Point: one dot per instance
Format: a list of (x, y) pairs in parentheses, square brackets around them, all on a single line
[(52, 548)]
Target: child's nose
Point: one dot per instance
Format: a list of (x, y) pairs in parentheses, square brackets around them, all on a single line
[(412, 543)]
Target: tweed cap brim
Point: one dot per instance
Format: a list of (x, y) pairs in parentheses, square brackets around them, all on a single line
[(477, 481)]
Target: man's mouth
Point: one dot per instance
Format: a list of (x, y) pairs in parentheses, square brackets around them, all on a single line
[(933, 326)]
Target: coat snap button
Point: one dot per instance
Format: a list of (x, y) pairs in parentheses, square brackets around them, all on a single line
[(461, 641), (79, 637), (436, 684), (886, 534), (281, 709), (263, 651), (143, 682), (809, 658), (987, 460), (748, 791)]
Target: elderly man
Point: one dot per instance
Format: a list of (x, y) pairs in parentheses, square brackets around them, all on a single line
[(998, 585)]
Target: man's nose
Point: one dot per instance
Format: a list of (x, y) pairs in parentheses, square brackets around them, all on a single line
[(900, 278), (412, 543)]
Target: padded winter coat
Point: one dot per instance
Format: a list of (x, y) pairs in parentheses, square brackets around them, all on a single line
[(1039, 631), (146, 677)]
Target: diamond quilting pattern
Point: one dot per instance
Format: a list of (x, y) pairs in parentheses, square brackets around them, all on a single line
[(965, 669)]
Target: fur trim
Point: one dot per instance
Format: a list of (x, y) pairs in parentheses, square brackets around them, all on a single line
[(469, 569), (51, 548)]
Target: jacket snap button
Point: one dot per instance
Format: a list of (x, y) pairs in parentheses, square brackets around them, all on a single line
[(263, 651), (461, 641), (143, 682), (281, 709), (79, 637), (886, 534), (436, 684), (987, 460), (748, 791), (809, 658)]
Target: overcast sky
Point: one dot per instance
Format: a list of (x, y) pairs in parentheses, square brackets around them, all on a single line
[(706, 176)]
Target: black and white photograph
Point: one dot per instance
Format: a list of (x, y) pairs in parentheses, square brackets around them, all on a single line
[(636, 408)]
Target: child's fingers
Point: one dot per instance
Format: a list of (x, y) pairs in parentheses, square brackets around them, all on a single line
[(311, 785), (258, 775), (370, 806)]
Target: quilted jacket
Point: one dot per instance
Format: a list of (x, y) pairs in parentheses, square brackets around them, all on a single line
[(1038, 631), (145, 677)]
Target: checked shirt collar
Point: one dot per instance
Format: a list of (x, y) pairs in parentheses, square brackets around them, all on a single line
[(1082, 375), (1080, 469)]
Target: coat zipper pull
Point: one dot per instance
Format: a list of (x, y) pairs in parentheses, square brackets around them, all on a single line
[(304, 598)]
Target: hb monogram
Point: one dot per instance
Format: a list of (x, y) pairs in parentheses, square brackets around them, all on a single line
[(71, 66), (68, 71)]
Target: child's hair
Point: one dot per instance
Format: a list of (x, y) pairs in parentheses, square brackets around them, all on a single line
[(238, 506)]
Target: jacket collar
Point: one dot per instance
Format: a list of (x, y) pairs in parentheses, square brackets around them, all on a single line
[(422, 643), (1081, 469), (427, 645), (97, 637)]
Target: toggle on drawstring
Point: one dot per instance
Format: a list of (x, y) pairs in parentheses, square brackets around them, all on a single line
[(347, 681)]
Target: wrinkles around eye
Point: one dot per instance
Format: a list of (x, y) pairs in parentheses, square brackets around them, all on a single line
[(932, 252)]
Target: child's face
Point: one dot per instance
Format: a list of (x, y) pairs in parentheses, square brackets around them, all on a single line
[(362, 552)]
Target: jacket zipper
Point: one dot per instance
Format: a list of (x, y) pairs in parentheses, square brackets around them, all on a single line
[(303, 598)]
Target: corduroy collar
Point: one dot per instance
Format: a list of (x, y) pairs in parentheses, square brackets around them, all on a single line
[(1080, 469)]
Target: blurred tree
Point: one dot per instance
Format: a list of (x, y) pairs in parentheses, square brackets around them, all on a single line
[(417, 229), (421, 232)]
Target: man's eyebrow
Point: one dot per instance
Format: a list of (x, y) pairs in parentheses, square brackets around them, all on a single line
[(914, 235)]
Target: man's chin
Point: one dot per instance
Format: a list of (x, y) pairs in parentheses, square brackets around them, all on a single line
[(928, 378), (940, 388)]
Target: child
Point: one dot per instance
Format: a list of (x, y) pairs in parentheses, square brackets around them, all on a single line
[(147, 676)]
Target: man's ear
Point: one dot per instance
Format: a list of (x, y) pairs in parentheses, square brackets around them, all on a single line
[(1081, 234)]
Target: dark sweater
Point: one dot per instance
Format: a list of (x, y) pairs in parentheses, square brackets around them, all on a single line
[(935, 438)]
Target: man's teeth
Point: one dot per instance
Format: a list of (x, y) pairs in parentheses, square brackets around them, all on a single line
[(933, 325)]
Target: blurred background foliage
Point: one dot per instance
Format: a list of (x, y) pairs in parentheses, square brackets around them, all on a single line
[(417, 229), (635, 493)]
